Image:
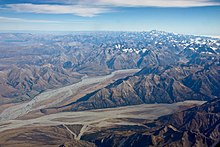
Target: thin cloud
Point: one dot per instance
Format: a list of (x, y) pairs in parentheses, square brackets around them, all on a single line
[(17, 20), (91, 8), (159, 3), (12, 19), (138, 3), (80, 10)]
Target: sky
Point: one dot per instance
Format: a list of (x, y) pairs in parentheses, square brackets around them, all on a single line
[(199, 17)]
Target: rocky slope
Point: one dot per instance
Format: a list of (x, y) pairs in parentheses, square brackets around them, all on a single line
[(27, 82), (198, 126), (31, 63), (155, 84), (50, 136), (195, 126)]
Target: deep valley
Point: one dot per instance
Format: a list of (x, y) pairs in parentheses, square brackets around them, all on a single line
[(109, 89)]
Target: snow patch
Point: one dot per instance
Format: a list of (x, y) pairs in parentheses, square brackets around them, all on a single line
[(118, 46), (144, 50)]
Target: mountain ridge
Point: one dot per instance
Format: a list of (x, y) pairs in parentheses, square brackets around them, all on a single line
[(154, 84), (197, 126)]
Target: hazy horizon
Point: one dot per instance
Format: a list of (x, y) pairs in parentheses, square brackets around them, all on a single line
[(196, 17)]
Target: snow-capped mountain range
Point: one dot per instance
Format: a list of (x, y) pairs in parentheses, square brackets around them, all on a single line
[(32, 63)]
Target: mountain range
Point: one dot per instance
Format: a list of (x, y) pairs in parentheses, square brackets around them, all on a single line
[(39, 72), (197, 126), (33, 63), (154, 84)]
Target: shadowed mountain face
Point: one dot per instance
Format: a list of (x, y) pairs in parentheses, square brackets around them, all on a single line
[(50, 136), (31, 63), (198, 126), (155, 84)]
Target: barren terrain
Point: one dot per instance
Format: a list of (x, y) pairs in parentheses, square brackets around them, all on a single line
[(100, 117), (56, 96)]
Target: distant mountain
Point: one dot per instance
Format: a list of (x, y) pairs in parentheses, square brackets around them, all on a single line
[(198, 126), (32, 63)]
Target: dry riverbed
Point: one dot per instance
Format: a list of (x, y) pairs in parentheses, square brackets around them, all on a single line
[(56, 95), (101, 117)]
